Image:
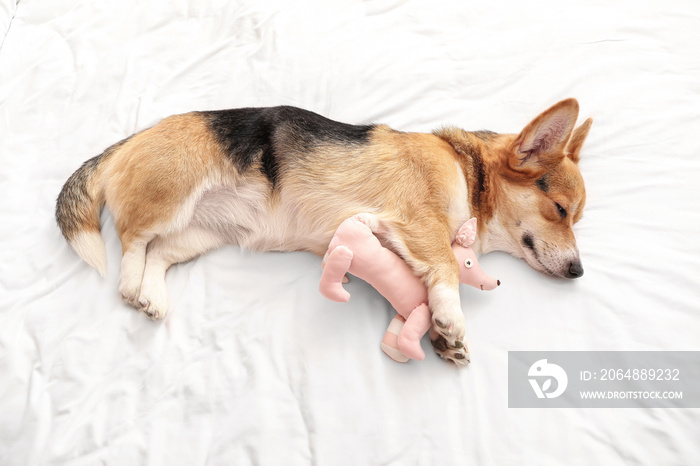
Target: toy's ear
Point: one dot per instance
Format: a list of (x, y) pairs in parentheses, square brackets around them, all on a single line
[(466, 235)]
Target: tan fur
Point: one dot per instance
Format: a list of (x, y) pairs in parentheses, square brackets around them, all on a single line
[(155, 171), (368, 183), (175, 193)]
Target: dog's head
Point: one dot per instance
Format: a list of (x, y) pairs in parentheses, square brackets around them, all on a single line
[(540, 194)]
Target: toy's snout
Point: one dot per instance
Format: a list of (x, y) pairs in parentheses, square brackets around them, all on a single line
[(490, 284), (471, 273)]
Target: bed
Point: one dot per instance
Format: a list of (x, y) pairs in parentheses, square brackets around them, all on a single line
[(252, 366)]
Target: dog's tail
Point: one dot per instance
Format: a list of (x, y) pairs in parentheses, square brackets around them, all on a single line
[(78, 210)]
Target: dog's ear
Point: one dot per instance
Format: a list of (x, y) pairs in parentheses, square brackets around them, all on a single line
[(541, 144), (573, 148)]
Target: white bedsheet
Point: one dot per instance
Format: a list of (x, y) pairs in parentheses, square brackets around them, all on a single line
[(252, 366)]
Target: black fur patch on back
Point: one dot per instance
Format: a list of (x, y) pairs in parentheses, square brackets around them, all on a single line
[(252, 136)]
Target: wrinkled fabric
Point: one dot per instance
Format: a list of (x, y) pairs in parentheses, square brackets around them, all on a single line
[(252, 366)]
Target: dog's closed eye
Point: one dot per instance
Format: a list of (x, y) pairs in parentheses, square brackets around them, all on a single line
[(562, 211)]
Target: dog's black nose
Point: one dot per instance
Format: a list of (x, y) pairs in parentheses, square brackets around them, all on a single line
[(575, 270)]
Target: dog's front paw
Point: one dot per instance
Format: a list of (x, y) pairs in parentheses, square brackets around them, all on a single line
[(450, 325), (448, 329), (447, 337), (456, 352)]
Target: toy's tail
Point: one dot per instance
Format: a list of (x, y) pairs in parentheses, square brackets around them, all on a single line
[(78, 213), (336, 265)]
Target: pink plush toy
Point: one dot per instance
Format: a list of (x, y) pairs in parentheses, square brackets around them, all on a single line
[(355, 249)]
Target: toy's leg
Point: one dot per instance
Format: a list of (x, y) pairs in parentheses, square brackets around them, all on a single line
[(416, 326), (337, 263), (390, 342), (346, 279), (426, 247)]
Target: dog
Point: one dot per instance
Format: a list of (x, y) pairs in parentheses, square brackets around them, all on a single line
[(283, 179)]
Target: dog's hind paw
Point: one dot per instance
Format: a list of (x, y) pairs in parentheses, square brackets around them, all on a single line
[(154, 308), (130, 295)]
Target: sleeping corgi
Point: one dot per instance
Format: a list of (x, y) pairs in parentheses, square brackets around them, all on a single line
[(284, 178)]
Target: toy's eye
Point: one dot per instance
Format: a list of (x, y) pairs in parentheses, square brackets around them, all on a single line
[(468, 263)]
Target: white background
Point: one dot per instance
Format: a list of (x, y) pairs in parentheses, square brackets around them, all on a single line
[(252, 365)]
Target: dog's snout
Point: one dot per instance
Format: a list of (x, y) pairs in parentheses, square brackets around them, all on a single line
[(575, 270)]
